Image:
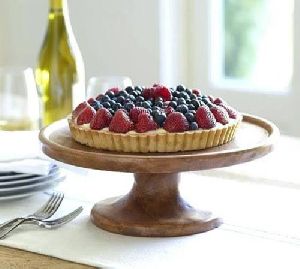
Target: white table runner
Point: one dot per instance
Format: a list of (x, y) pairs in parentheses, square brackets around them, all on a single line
[(261, 227)]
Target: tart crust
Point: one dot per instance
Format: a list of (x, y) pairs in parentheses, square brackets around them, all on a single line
[(154, 141)]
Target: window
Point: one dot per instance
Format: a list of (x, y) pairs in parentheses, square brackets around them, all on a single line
[(254, 40), (242, 50)]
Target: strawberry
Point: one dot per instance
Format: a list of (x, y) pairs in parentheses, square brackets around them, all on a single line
[(219, 101), (163, 92), (86, 115), (121, 122), (101, 120), (145, 123), (220, 114), (169, 110), (78, 109), (115, 90), (233, 114), (148, 93), (136, 111), (196, 91), (205, 118), (176, 122)]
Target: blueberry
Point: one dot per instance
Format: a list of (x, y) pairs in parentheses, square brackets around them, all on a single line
[(116, 106), (135, 93), (111, 111), (129, 106), (158, 99), (182, 108), (138, 89), (104, 98), (115, 98), (111, 102), (160, 118), (124, 94), (121, 99), (106, 104), (193, 125), (139, 104), (184, 95), (191, 107), (193, 96), (188, 91), (139, 99), (190, 116), (181, 101), (146, 104), (174, 98), (110, 94), (175, 94), (129, 89), (195, 103), (180, 88), (173, 104), (96, 105), (159, 103)]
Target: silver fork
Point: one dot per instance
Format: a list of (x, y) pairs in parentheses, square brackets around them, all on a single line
[(55, 223), (45, 212)]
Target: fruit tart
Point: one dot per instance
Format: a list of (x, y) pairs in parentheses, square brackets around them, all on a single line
[(153, 119)]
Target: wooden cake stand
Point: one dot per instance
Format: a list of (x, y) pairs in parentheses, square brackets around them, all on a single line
[(154, 206)]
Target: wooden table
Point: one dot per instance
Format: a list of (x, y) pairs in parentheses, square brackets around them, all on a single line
[(15, 259)]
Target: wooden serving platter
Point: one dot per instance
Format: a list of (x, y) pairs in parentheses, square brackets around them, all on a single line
[(154, 206)]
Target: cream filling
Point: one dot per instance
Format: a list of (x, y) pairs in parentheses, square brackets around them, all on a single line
[(161, 130)]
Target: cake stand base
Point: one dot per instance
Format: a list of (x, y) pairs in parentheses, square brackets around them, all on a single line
[(153, 207)]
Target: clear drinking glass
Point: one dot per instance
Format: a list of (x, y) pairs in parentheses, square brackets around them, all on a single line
[(19, 100), (97, 85)]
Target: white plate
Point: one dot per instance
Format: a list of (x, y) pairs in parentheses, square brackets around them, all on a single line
[(30, 187), (8, 176), (31, 179), (28, 193)]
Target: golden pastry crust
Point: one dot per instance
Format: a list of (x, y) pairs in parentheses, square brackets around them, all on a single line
[(154, 141)]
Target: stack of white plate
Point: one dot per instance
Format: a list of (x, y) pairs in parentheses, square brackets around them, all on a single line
[(16, 185)]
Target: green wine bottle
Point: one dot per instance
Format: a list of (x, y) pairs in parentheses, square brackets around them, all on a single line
[(60, 69)]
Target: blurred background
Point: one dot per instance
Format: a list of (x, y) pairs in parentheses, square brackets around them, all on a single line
[(242, 50)]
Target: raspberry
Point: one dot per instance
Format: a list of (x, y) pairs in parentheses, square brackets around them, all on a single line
[(219, 101), (169, 110), (78, 109), (99, 96), (163, 92), (176, 122), (101, 120), (196, 91), (115, 90), (148, 93), (136, 111), (205, 118), (121, 122), (211, 98), (233, 114), (220, 114), (91, 100), (145, 123), (86, 115)]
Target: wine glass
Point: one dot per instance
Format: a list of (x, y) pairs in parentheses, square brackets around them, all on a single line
[(19, 100), (97, 85)]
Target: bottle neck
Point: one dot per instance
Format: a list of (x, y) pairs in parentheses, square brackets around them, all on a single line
[(58, 17), (57, 4)]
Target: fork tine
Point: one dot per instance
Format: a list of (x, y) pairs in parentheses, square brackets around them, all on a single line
[(52, 207), (45, 206)]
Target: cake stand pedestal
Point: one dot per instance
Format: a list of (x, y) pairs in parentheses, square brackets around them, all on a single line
[(154, 206)]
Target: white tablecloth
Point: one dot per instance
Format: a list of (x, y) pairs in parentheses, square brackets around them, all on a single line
[(261, 217)]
